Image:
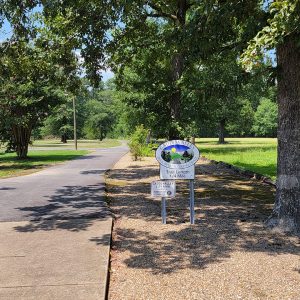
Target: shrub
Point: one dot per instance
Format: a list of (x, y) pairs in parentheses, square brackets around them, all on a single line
[(137, 143)]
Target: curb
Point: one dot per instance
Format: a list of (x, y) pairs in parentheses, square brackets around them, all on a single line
[(246, 173), (107, 271)]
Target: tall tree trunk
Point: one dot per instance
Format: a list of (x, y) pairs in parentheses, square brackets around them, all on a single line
[(177, 67), (21, 136), (222, 131), (286, 212), (64, 138)]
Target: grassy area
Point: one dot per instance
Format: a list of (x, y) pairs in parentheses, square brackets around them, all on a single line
[(11, 166), (82, 144), (255, 154)]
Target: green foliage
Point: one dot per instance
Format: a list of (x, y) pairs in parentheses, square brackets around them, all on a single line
[(35, 75), (284, 20), (156, 48), (265, 118), (137, 144), (100, 115), (242, 124), (60, 122)]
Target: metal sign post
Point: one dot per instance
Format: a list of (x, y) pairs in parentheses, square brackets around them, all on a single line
[(164, 210), (192, 202), (163, 189)]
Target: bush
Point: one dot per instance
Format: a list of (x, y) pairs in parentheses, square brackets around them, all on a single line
[(137, 144)]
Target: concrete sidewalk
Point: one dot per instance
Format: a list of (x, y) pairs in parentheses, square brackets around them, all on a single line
[(56, 263), (55, 231)]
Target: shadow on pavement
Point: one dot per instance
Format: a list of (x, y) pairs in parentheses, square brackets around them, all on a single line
[(84, 203), (104, 240)]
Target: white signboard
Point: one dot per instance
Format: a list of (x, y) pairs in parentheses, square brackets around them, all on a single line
[(177, 159), (163, 188), (167, 173)]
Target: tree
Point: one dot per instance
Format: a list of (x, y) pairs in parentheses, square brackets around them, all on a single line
[(59, 122), (265, 118), (283, 32), (100, 116), (145, 88), (257, 86), (34, 77), (187, 29)]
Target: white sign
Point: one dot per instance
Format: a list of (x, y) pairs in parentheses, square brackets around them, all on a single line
[(163, 188), (167, 173), (177, 159)]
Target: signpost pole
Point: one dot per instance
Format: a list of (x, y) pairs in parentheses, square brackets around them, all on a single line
[(192, 202), (163, 210)]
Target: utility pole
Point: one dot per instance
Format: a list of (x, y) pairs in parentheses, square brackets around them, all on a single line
[(74, 114)]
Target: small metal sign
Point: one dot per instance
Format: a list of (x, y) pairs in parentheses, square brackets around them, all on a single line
[(167, 173), (163, 188)]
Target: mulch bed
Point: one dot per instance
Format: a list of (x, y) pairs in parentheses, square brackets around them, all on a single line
[(227, 254)]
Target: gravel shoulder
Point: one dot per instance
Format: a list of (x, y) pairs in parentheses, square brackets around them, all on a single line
[(227, 254)]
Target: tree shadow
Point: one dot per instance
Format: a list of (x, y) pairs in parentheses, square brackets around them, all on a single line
[(82, 203), (103, 240), (230, 213)]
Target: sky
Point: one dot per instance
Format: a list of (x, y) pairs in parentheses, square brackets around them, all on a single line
[(5, 31)]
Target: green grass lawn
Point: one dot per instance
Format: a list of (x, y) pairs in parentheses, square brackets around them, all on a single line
[(82, 144), (255, 154), (11, 166)]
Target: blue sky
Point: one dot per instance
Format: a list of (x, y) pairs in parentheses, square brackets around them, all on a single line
[(5, 31)]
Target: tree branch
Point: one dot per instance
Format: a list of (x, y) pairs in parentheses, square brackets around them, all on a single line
[(160, 13)]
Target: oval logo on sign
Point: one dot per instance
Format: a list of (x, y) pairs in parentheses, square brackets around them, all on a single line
[(177, 154)]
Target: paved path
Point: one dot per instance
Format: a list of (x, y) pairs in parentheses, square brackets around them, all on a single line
[(55, 230)]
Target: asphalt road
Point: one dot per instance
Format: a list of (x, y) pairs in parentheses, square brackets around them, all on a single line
[(69, 191)]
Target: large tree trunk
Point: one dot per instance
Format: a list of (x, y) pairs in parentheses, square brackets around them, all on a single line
[(177, 68), (21, 136), (286, 212), (222, 131)]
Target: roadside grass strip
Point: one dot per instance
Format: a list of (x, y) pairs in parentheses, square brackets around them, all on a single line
[(255, 154), (10, 165), (106, 143)]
